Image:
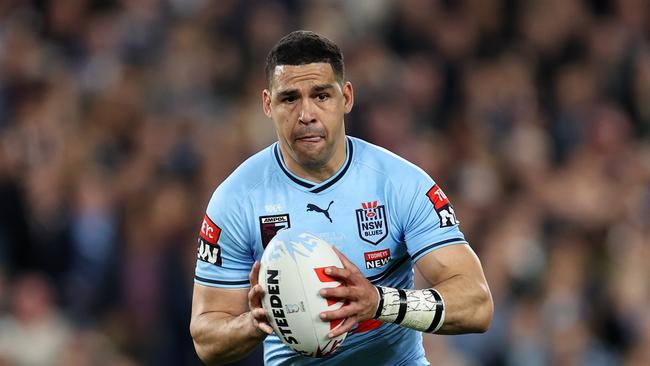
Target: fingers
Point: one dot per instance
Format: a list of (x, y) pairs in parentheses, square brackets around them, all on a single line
[(347, 264), (256, 292), (265, 327), (357, 292), (344, 327), (341, 292), (254, 274), (261, 321), (346, 311), (255, 296), (340, 274)]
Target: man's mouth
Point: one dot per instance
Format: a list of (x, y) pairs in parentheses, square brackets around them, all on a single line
[(310, 138)]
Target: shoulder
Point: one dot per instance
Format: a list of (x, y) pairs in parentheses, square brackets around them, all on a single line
[(387, 163)]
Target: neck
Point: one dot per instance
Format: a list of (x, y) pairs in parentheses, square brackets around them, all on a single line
[(318, 172)]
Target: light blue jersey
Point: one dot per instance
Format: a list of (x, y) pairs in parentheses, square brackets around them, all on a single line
[(381, 211)]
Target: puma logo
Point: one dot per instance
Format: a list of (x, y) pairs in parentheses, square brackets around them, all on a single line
[(313, 207)]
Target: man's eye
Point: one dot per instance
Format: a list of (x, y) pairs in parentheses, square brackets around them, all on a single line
[(322, 97), (289, 99)]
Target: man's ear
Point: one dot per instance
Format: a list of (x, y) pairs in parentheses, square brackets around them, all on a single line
[(348, 95), (266, 102)]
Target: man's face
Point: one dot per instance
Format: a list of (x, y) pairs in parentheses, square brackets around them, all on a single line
[(307, 105)]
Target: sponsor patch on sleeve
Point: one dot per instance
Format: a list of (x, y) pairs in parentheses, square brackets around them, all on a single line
[(209, 231), (442, 206), (208, 250)]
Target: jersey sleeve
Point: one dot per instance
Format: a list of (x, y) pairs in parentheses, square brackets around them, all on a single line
[(225, 245), (427, 217)]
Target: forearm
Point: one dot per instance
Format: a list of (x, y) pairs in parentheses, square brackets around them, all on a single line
[(219, 338), (456, 305), (468, 305)]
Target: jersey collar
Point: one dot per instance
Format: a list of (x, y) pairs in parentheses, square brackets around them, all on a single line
[(310, 186)]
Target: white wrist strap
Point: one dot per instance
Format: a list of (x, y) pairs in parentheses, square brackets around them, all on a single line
[(422, 310)]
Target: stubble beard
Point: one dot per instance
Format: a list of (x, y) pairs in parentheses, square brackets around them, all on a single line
[(313, 159)]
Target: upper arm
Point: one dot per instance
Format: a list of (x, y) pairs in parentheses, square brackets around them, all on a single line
[(425, 215), (228, 302), (226, 243), (456, 273), (453, 260)]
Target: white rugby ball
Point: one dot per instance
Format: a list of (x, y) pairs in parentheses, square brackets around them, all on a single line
[(291, 275)]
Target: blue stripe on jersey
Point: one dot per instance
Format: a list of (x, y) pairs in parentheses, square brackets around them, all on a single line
[(222, 282), (379, 277), (435, 245), (405, 283)]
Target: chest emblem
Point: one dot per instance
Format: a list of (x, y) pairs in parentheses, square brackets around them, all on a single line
[(326, 212), (372, 222), (270, 225)]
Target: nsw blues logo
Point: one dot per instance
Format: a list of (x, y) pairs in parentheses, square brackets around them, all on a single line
[(372, 222)]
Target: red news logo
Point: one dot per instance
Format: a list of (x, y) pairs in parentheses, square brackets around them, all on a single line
[(377, 258), (210, 232), (380, 254), (437, 197)]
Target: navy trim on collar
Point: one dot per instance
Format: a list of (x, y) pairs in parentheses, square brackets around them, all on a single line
[(341, 173), (316, 188), (291, 176)]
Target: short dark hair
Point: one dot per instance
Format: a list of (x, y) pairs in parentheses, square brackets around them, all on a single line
[(304, 47)]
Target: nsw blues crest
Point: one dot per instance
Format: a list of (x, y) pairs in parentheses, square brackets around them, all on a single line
[(372, 222)]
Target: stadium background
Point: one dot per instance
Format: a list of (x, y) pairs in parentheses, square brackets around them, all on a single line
[(118, 119)]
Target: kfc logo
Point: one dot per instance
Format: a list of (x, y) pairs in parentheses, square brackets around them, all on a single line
[(442, 206), (210, 232), (208, 250), (437, 197)]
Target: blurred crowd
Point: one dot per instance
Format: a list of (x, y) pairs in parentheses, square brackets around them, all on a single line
[(119, 118)]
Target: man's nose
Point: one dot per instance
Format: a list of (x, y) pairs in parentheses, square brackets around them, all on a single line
[(307, 114)]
